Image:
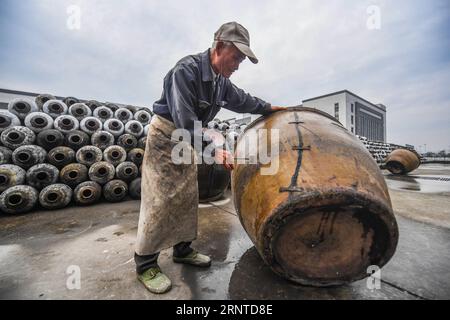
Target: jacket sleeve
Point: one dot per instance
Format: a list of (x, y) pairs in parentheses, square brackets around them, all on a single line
[(241, 102), (181, 97)]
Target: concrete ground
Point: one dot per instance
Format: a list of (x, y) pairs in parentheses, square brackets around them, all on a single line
[(42, 252)]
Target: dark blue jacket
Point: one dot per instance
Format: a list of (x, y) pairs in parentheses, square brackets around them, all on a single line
[(191, 93)]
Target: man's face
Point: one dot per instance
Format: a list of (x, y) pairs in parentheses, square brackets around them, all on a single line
[(229, 58)]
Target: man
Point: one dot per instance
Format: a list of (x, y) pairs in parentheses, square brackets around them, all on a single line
[(194, 90)]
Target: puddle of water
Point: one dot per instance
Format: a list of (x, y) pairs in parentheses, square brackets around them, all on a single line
[(424, 184), (217, 203), (213, 283), (434, 166)]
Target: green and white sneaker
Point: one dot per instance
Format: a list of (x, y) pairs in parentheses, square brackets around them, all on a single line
[(155, 281), (194, 258)]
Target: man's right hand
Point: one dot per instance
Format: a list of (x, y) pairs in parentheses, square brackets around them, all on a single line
[(277, 108), (224, 157)]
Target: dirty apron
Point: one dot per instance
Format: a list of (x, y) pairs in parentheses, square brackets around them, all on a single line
[(169, 193)]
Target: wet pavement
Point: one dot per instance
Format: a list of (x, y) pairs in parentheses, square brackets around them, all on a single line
[(422, 195), (41, 252)]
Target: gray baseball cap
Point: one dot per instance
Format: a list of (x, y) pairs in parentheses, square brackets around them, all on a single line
[(238, 35)]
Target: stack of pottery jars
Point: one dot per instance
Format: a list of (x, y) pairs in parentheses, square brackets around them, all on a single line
[(57, 152)]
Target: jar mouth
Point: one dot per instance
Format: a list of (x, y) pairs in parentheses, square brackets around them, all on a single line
[(52, 197), (87, 193), (15, 200), (329, 239)]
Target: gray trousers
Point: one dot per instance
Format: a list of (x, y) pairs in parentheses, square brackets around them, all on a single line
[(143, 263)]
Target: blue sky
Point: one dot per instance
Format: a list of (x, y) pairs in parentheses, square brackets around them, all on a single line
[(306, 48)]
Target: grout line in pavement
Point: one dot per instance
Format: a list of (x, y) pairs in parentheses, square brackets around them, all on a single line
[(405, 290), (234, 214)]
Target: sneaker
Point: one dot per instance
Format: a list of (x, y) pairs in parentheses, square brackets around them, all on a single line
[(194, 258), (155, 281)]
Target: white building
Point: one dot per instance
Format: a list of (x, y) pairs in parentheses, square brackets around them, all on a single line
[(358, 115)]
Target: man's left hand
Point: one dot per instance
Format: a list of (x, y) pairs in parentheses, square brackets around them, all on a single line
[(224, 157)]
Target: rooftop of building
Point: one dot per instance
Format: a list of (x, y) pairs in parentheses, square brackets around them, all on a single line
[(379, 106)]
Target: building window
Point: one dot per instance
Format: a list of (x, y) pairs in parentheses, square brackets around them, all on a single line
[(351, 107), (352, 119), (336, 110), (352, 129)]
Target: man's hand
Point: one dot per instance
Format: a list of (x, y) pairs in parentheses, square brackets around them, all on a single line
[(224, 157), (276, 108), (215, 136)]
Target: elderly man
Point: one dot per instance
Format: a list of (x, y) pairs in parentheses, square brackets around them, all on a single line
[(195, 89)]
